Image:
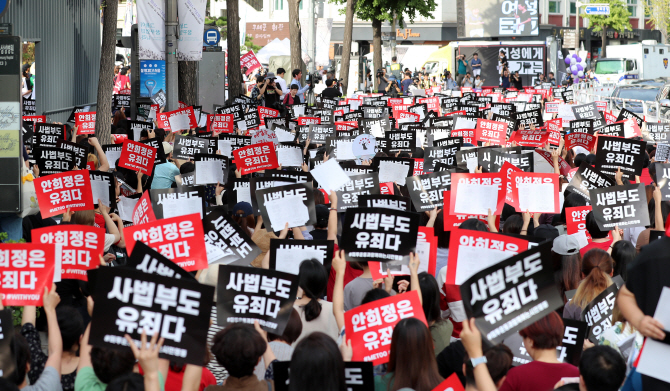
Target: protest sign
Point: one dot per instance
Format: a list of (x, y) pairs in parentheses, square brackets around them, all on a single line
[(286, 255), (113, 153), (530, 117), (587, 178), (440, 154), (25, 268), (575, 220), (77, 248), (289, 155), (85, 122), (623, 206), (598, 313), (358, 376), (330, 176), (53, 160), (452, 383), (512, 293), (180, 239), (245, 295), (259, 183), (370, 326), (59, 192), (387, 201), (531, 138), (132, 302), (616, 129), (656, 132), (220, 123), (627, 114), (292, 204), (535, 192), (662, 179), (250, 62), (453, 221), (400, 141), (522, 160), (103, 188), (490, 131), (183, 201), (186, 147), (426, 190), (393, 169), (379, 234), (135, 129), (147, 260), (143, 211), (358, 185), (626, 154), (426, 250), (80, 152), (662, 152), (47, 135), (577, 139), (137, 156), (475, 194), (210, 169), (581, 126), (226, 242), (572, 344), (255, 158)]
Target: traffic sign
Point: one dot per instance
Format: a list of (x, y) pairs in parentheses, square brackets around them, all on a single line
[(211, 37), (593, 9)]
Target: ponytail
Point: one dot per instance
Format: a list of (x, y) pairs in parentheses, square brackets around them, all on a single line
[(596, 268), (313, 280), (312, 309)]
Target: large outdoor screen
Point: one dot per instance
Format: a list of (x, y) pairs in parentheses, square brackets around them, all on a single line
[(496, 18)]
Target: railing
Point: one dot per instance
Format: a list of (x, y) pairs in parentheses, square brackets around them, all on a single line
[(61, 115), (591, 91)]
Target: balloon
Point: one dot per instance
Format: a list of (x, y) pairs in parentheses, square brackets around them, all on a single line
[(580, 67), (574, 69), (579, 59), (567, 60), (573, 60), (580, 74)]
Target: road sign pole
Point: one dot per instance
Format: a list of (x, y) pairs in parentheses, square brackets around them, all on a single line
[(578, 6)]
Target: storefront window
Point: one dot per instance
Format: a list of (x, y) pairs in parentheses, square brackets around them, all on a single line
[(632, 7), (554, 7), (573, 8)]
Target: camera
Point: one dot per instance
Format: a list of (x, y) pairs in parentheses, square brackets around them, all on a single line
[(312, 78), (380, 73)]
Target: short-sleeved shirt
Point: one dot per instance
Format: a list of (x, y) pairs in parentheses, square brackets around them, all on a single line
[(87, 381), (38, 359), (462, 67), (164, 176), (48, 381), (476, 64), (537, 376)]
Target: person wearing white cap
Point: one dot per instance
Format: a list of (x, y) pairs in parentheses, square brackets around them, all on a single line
[(164, 173)]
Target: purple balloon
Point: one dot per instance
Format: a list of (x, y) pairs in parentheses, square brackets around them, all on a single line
[(579, 59), (567, 60), (580, 67), (574, 69)]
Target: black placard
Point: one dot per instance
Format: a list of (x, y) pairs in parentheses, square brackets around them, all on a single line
[(186, 147), (238, 190), (379, 234), (655, 132), (160, 152), (662, 179), (227, 243), (187, 194), (52, 160), (107, 183), (464, 155), (444, 155), (581, 126), (286, 255), (529, 117), (598, 313), (523, 161), (348, 195), (148, 260), (623, 206), (358, 376), (298, 176), (319, 133), (586, 179), (616, 152), (252, 119), (235, 110), (130, 301), (159, 98), (426, 191), (303, 190), (388, 201), (260, 183), (246, 294), (573, 341), (586, 111), (79, 152), (7, 361), (612, 130), (627, 114), (135, 128), (47, 135), (509, 120), (513, 293), (119, 101)]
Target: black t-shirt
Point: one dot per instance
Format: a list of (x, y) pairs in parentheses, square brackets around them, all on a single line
[(271, 97), (331, 92)]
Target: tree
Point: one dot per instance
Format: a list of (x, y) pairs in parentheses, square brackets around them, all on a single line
[(249, 44), (616, 20), (295, 34), (235, 86), (379, 11), (658, 12), (186, 71), (103, 121), (346, 45)]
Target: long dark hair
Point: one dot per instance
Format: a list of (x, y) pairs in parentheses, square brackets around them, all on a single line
[(623, 253), (567, 272), (313, 280), (411, 338), (597, 265), (317, 364), (430, 293)]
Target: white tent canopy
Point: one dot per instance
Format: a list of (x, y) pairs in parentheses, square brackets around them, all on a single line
[(275, 48)]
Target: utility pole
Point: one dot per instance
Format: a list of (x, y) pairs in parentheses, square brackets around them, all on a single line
[(311, 33), (578, 6), (394, 37), (172, 69)]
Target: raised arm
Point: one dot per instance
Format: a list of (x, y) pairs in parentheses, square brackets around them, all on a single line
[(332, 217), (102, 158), (339, 264), (414, 274), (109, 223), (51, 300)]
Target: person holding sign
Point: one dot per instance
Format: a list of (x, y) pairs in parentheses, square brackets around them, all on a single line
[(540, 340), (597, 269)]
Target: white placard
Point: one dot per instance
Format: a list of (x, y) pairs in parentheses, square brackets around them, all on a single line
[(100, 190), (112, 157), (536, 198), (345, 150), (392, 172), (330, 176), (126, 207), (209, 172), (173, 207), (654, 357), (179, 122), (289, 157), (225, 147), (289, 210), (476, 199), (289, 260)]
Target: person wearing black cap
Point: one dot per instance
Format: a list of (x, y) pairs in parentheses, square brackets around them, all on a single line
[(320, 231), (331, 90)]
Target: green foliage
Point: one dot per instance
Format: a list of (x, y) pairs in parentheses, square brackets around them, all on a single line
[(3, 239), (249, 45), (658, 12), (17, 315), (383, 9), (221, 23), (618, 19)]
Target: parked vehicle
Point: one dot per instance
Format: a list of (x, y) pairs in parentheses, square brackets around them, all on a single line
[(626, 63)]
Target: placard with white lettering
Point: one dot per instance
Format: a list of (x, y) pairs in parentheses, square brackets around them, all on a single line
[(587, 178), (626, 154), (598, 313), (226, 242), (292, 204), (426, 191), (363, 184), (286, 255), (623, 206)]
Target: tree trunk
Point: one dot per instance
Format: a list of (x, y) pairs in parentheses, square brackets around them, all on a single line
[(103, 121), (235, 86), (377, 48), (346, 46), (604, 42), (188, 82), (295, 35)]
